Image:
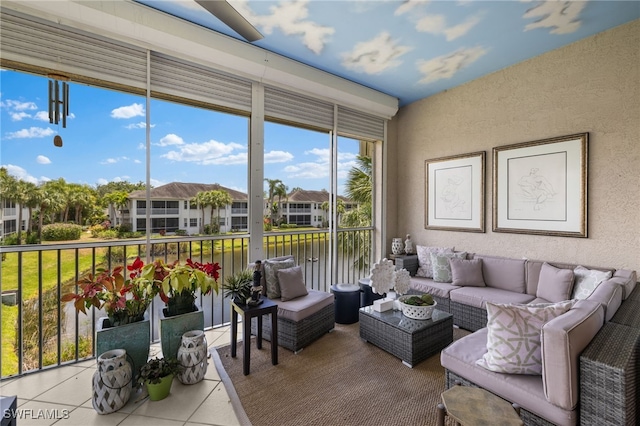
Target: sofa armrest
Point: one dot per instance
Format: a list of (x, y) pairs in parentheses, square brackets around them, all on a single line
[(563, 340), (609, 295), (626, 279)]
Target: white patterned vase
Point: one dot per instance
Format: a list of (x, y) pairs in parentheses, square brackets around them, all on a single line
[(192, 355), (397, 246), (112, 382)]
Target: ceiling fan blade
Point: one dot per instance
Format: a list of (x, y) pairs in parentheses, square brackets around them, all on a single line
[(222, 10)]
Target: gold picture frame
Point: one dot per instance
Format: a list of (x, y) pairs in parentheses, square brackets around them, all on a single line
[(454, 198), (540, 187)]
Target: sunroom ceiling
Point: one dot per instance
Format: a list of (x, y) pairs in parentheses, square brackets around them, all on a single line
[(413, 49)]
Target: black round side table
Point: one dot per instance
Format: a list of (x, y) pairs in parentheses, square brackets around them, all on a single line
[(347, 302), (367, 296)]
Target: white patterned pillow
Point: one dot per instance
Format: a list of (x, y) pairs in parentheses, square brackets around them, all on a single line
[(513, 338), (587, 280), (424, 259), (442, 267), (271, 269)]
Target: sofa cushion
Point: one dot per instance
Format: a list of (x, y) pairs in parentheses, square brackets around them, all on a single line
[(554, 284), (291, 283), (504, 273), (587, 280), (425, 269), (478, 296), (513, 338), (442, 267), (627, 279), (526, 390), (466, 272), (533, 268), (427, 285), (301, 307), (270, 268), (563, 340)]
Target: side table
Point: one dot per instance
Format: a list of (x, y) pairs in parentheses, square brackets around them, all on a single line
[(347, 302), (475, 406), (247, 312)]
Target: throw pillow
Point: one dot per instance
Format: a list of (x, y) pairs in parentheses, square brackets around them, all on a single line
[(271, 268), (513, 338), (442, 267), (467, 272), (424, 259), (291, 283), (587, 280), (554, 284)]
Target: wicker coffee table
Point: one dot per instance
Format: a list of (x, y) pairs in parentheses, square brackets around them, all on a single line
[(410, 340)]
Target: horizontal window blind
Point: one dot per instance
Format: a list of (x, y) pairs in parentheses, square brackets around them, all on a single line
[(282, 105), (183, 79), (70, 51), (360, 125)]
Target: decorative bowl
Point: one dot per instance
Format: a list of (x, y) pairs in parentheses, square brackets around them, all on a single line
[(416, 312)]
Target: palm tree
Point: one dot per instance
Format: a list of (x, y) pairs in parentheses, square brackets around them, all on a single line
[(280, 192), (275, 186), (118, 200), (359, 188), (201, 199), (219, 198)]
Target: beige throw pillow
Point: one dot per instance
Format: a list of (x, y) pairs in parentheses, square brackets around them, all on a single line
[(587, 280), (467, 272), (291, 283), (513, 338), (554, 284), (270, 269), (425, 269)]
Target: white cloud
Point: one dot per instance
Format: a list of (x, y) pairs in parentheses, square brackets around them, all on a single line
[(137, 161), (560, 16), (320, 167), (42, 116), (102, 181), (437, 24), (156, 183), (20, 173), (18, 116), (18, 105), (446, 66), (376, 55), (114, 160), (211, 152), (277, 157), (291, 18), (409, 5), (31, 132), (130, 111), (170, 139), (41, 159), (140, 125)]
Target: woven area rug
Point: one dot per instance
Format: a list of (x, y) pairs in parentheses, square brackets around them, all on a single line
[(337, 380)]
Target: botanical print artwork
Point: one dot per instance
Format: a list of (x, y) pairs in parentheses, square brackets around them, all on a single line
[(453, 193), (537, 187)]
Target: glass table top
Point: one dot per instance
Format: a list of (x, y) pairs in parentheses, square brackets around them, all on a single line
[(398, 320)]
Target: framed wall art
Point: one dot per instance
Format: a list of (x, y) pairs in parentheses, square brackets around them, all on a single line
[(454, 199), (540, 187)]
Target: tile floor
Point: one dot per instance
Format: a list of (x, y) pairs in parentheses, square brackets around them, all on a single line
[(62, 396)]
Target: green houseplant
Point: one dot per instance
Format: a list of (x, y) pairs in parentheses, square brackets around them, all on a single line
[(157, 375), (238, 286)]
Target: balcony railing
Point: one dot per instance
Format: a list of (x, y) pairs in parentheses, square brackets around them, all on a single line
[(39, 332)]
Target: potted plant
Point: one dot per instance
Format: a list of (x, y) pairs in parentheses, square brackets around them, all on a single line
[(179, 285), (238, 286), (157, 375), (180, 282), (125, 301)]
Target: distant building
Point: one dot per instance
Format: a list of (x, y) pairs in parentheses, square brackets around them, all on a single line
[(9, 212), (172, 210), (304, 207)]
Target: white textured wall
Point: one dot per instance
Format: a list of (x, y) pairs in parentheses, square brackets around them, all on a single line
[(591, 86)]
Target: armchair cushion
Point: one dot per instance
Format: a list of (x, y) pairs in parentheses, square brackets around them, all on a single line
[(271, 267)]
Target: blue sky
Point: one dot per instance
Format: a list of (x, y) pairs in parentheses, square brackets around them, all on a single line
[(105, 138)]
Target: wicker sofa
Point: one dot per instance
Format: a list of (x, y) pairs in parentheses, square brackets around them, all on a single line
[(301, 320), (589, 354)]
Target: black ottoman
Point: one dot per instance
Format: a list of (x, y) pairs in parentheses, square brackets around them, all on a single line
[(347, 302)]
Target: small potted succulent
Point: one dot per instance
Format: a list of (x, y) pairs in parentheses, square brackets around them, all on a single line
[(238, 286), (157, 375)]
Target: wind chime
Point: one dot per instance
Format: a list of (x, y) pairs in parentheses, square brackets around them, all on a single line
[(58, 103)]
